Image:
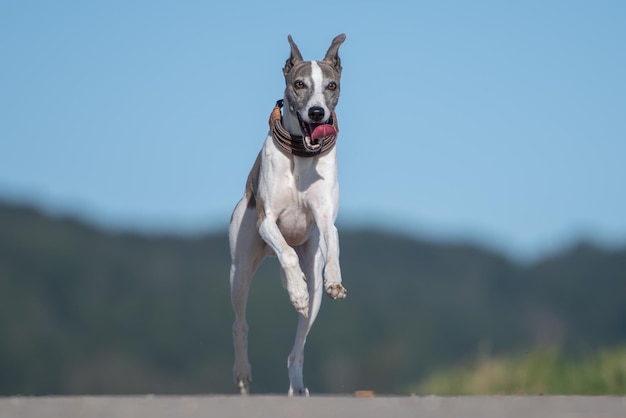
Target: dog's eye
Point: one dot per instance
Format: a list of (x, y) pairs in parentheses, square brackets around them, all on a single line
[(299, 84), (332, 86)]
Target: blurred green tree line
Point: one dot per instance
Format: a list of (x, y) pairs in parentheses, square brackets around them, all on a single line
[(86, 310)]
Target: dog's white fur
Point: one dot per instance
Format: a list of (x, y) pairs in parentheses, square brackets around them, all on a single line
[(289, 210)]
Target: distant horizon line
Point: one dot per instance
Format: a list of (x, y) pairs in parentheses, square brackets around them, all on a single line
[(361, 223)]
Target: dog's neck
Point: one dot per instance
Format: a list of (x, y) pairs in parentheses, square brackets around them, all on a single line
[(290, 120)]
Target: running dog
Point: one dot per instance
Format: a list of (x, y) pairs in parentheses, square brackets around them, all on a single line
[(290, 206)]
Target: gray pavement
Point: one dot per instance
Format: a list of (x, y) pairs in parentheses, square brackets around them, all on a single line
[(313, 407)]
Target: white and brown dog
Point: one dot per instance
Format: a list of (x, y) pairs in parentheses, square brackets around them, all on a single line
[(290, 206)]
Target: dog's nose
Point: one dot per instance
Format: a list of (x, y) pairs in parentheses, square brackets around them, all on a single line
[(316, 113)]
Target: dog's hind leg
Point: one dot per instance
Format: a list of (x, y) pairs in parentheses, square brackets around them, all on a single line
[(247, 252), (311, 261)]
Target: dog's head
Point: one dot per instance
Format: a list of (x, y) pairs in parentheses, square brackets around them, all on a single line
[(312, 91)]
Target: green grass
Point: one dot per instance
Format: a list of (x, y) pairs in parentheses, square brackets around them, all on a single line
[(541, 371)]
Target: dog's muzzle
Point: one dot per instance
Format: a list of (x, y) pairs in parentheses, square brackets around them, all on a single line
[(315, 134)]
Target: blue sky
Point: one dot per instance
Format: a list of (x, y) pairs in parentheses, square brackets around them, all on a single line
[(499, 122)]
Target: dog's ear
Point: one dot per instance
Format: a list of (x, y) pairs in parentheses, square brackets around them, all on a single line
[(332, 55), (294, 57)]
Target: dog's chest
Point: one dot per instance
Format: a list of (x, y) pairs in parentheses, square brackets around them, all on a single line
[(292, 189), (292, 203)]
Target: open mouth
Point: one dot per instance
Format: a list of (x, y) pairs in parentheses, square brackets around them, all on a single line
[(314, 134)]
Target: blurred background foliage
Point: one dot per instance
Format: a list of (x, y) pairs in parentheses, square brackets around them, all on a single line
[(90, 311), (545, 371)]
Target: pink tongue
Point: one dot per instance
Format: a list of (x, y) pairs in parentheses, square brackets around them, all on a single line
[(323, 131)]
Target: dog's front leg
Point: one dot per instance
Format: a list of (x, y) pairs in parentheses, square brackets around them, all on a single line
[(288, 259), (330, 251)]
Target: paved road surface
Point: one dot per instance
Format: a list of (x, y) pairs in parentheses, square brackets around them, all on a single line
[(313, 407)]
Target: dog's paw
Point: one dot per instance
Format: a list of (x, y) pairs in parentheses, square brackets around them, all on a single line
[(243, 386), (243, 378), (298, 392), (299, 294), (302, 304), (336, 291)]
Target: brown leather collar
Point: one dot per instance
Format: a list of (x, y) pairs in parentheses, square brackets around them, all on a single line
[(294, 144)]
